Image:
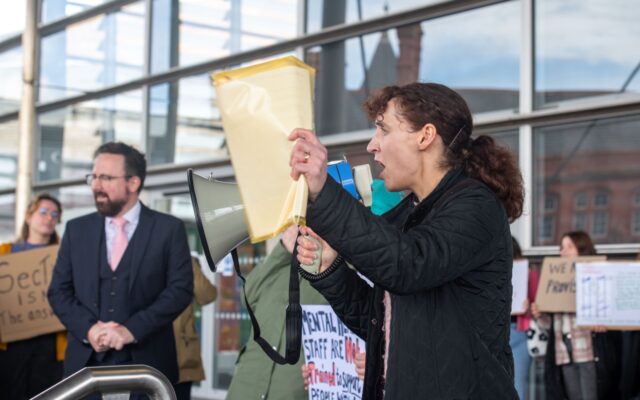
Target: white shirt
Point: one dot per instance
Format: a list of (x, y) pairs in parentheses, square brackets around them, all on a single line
[(132, 216)]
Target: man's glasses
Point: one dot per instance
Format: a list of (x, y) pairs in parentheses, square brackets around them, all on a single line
[(52, 213), (103, 178)]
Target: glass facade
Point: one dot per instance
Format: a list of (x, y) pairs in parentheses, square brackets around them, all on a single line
[(325, 13), (585, 177), (450, 50), (10, 79), (68, 136), (98, 52), (139, 71)]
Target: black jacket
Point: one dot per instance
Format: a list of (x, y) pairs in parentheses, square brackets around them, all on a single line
[(447, 264)]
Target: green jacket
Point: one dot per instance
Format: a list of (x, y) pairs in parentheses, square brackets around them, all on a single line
[(256, 375)]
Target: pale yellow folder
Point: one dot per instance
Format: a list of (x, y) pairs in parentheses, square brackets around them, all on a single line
[(260, 105)]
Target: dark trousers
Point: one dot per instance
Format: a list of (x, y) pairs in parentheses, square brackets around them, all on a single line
[(580, 381), (183, 390), (28, 367)]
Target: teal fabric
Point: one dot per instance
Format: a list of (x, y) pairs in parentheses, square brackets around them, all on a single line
[(383, 200)]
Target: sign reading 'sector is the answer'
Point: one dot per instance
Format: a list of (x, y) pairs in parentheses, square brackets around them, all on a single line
[(24, 280)]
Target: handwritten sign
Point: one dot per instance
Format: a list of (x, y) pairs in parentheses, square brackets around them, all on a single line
[(329, 350), (24, 280), (607, 294), (557, 288), (520, 282)]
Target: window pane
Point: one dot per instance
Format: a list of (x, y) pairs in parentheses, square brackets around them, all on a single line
[(184, 120), (550, 203), (601, 199), (8, 153), (7, 217), (580, 222), (325, 13), (76, 201), (232, 324), (510, 140), (349, 71), (581, 200), (197, 135), (635, 227), (68, 137), (584, 159), (12, 18), (586, 48), (599, 226), (93, 54), (56, 9), (10, 79), (195, 31), (548, 223)]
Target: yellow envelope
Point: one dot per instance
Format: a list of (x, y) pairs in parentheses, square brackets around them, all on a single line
[(260, 105)]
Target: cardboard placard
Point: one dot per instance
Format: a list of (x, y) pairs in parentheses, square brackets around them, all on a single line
[(557, 288), (24, 308), (520, 283), (329, 352), (607, 295)]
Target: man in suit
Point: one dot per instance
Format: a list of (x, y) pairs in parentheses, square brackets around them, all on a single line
[(123, 274)]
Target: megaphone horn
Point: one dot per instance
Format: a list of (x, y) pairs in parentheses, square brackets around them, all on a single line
[(219, 216)]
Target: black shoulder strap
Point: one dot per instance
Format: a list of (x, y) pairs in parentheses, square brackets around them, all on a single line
[(293, 321)]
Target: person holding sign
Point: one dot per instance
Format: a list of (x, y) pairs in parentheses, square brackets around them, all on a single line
[(436, 323), (29, 366), (580, 364), (123, 273), (256, 375)]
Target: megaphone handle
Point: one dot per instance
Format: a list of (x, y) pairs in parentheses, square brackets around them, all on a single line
[(314, 267)]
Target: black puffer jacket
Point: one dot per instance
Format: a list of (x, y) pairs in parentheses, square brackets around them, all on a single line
[(447, 265)]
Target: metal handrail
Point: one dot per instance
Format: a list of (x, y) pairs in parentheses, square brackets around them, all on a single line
[(116, 380)]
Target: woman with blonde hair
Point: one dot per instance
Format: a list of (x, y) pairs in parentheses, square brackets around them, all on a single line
[(29, 366)]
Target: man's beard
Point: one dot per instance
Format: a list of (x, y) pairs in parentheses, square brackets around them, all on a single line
[(108, 208)]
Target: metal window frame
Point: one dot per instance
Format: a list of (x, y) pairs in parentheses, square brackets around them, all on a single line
[(524, 120)]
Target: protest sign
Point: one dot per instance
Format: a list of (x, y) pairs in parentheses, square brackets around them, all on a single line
[(329, 350), (24, 280), (557, 288), (520, 282), (607, 294)]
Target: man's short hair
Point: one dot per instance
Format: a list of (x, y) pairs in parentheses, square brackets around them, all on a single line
[(135, 163)]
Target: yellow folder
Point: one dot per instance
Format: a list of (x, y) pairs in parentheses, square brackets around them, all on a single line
[(260, 105)]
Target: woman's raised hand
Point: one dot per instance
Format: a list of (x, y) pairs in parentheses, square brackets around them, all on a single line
[(308, 158)]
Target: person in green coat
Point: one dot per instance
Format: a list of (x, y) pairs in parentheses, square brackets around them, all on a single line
[(256, 376)]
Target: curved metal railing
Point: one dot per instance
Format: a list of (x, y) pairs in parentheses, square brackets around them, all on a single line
[(113, 382)]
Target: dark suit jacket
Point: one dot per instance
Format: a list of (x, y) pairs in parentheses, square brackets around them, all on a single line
[(160, 287)]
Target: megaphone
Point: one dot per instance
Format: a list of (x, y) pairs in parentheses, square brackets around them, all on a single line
[(219, 216)]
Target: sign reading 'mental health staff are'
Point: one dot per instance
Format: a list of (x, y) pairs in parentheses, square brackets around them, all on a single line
[(329, 351), (24, 309)]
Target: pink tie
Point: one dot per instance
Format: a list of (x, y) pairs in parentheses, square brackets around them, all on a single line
[(119, 242)]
